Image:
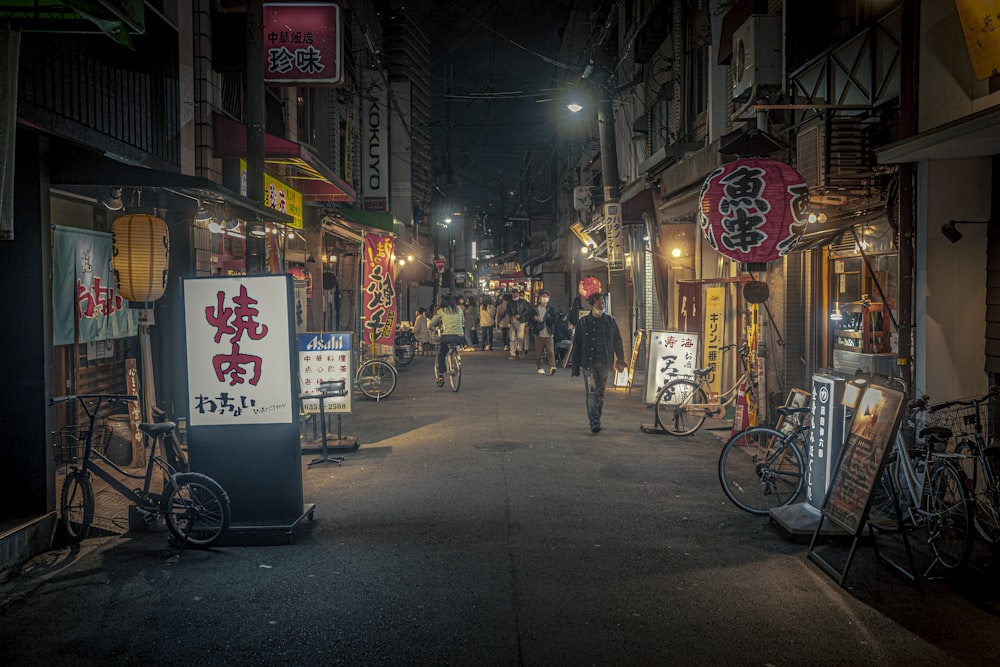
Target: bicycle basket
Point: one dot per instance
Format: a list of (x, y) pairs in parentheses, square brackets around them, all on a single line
[(961, 419), (70, 441)]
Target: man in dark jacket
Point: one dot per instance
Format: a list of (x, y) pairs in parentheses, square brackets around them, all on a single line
[(597, 346), (519, 312)]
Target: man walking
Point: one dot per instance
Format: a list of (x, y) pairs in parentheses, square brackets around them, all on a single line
[(518, 311), (597, 345), (543, 322)]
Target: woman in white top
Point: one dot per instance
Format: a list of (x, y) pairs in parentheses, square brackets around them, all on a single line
[(420, 331), (452, 322)]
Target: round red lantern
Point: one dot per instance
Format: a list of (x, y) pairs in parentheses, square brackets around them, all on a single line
[(754, 210), (141, 256)]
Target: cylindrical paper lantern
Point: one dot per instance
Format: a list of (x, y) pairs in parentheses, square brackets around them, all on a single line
[(754, 210), (141, 256)]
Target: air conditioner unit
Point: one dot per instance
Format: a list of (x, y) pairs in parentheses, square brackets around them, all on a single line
[(756, 56), (832, 155)]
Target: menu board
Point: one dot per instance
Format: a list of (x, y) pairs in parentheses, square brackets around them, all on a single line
[(325, 364), (873, 429), (672, 354)]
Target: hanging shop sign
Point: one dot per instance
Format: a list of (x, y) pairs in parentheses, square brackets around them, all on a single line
[(615, 236), (277, 196), (375, 159), (378, 291), (754, 210), (982, 38), (85, 304), (302, 44), (714, 328)]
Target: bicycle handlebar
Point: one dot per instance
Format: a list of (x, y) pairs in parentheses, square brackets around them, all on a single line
[(975, 402), (56, 400)]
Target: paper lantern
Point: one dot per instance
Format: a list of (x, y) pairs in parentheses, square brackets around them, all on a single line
[(754, 210), (141, 256)]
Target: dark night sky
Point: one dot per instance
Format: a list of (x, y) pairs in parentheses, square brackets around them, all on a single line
[(503, 47)]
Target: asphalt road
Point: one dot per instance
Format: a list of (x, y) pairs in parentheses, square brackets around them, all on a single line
[(490, 527)]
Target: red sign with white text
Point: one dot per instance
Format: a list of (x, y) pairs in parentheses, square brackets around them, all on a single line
[(378, 291), (302, 44)]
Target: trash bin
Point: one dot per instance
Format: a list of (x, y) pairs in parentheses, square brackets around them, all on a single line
[(120, 445)]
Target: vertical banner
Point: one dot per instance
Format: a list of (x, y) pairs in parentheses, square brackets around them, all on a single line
[(375, 138), (238, 361), (689, 306), (378, 290), (672, 354), (325, 358), (715, 317), (615, 236), (85, 305)]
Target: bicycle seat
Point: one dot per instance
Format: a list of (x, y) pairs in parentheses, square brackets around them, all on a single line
[(156, 430), (789, 410), (939, 433), (702, 372)]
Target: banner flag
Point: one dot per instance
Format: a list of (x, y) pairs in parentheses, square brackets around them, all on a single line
[(378, 290)]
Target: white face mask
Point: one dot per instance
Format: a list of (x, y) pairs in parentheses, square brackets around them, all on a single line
[(545, 300)]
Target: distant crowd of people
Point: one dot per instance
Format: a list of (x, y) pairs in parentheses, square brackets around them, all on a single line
[(588, 335)]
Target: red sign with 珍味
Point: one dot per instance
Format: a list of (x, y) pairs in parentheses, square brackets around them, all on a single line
[(302, 44)]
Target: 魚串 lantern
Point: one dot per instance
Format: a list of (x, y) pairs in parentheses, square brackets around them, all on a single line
[(141, 256), (754, 210)]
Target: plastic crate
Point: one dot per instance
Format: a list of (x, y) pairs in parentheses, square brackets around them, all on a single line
[(71, 440)]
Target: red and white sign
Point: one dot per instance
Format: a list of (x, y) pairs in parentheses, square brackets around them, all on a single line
[(302, 44), (439, 265), (378, 290)]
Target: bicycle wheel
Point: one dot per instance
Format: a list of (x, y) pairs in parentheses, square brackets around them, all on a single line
[(984, 495), (404, 353), (454, 369), (759, 470), (376, 379), (671, 415), (949, 519), (77, 505), (196, 510), (889, 491)]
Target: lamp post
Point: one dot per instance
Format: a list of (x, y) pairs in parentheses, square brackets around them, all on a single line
[(617, 280)]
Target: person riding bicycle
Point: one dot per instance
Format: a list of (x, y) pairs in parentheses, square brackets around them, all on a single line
[(452, 322)]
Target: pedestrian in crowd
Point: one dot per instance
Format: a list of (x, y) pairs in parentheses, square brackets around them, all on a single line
[(503, 320), (421, 333), (471, 315), (597, 347), (452, 322), (543, 324), (518, 310), (487, 313), (562, 336)]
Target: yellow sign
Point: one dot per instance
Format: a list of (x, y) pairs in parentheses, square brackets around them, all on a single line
[(981, 25), (277, 195), (715, 334)]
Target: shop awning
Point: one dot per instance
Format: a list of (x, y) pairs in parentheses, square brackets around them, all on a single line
[(977, 135), (532, 267), (78, 168), (309, 175), (635, 206), (371, 221)]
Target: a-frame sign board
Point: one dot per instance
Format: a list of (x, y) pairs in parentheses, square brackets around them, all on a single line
[(848, 501)]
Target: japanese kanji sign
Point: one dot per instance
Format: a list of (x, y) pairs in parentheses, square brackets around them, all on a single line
[(615, 236), (754, 210), (302, 44), (672, 354), (85, 304), (378, 290), (715, 334), (238, 356), (325, 359)]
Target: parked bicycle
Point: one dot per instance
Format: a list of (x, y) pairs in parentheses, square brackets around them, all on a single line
[(682, 404), (194, 506), (375, 377), (761, 468), (452, 366), (405, 347), (980, 462), (924, 487)]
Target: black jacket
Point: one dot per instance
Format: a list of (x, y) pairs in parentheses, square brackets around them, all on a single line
[(519, 307), (596, 338)]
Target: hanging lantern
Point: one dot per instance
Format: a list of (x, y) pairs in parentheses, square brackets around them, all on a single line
[(754, 210), (141, 256)]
